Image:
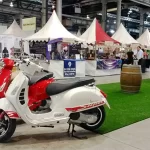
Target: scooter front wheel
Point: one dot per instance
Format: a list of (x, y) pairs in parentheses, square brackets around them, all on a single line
[(7, 127), (99, 112)]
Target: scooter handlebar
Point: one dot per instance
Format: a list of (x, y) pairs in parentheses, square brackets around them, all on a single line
[(46, 71)]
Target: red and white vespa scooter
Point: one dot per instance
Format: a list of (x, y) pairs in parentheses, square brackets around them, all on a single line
[(74, 101)]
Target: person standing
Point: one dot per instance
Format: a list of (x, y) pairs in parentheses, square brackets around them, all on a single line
[(5, 53), (139, 55), (130, 57)]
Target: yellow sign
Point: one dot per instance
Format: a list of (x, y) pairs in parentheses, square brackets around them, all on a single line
[(29, 24)]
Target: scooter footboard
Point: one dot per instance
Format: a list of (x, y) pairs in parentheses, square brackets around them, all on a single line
[(6, 106)]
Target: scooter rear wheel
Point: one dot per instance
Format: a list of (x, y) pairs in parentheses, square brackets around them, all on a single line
[(7, 127), (100, 113)]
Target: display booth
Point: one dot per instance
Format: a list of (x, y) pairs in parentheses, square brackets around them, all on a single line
[(11, 41), (54, 41), (99, 43)]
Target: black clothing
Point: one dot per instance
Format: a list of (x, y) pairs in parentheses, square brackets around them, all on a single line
[(5, 53), (140, 62), (130, 55), (130, 58)]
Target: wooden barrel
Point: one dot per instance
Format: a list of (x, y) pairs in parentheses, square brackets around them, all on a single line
[(131, 78)]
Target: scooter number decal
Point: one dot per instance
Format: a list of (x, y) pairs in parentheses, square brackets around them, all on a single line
[(84, 107), (93, 105)]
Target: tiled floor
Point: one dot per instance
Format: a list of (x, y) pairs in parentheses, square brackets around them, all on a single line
[(134, 137)]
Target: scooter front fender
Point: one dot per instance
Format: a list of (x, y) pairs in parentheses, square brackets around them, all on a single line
[(107, 104), (6, 106)]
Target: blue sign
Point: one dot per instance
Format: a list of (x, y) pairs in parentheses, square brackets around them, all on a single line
[(69, 68)]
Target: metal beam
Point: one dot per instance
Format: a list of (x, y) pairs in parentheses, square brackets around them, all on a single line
[(19, 11)]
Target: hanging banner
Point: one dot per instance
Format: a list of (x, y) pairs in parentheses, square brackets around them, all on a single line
[(38, 47), (29, 24), (48, 50), (69, 68), (108, 64)]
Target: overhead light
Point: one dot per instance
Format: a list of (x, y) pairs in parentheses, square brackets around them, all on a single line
[(100, 14), (87, 17), (11, 4), (53, 7), (130, 11), (1, 1), (112, 31)]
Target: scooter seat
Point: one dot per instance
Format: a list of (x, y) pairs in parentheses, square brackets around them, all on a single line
[(39, 77), (60, 86)]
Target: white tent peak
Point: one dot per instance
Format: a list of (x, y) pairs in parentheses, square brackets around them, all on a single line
[(89, 34), (123, 36), (79, 33), (53, 29), (144, 39), (95, 33), (15, 30)]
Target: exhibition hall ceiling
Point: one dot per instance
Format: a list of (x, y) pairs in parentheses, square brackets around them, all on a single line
[(80, 8)]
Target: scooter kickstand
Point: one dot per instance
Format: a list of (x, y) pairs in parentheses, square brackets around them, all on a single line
[(77, 137), (69, 129)]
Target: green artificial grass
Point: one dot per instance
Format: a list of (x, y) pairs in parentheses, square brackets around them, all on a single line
[(125, 109)]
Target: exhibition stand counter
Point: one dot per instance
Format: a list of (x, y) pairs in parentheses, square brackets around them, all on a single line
[(67, 68)]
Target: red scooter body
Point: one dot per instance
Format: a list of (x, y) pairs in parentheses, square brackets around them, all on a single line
[(37, 91), (5, 76)]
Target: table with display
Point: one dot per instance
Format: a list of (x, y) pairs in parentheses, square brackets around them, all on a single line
[(103, 67), (67, 68)]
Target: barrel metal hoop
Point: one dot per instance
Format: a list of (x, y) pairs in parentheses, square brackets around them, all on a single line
[(129, 73), (130, 86)]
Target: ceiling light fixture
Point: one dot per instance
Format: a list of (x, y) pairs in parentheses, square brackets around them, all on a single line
[(112, 31), (11, 4), (87, 17), (130, 11), (53, 6), (1, 1), (100, 14)]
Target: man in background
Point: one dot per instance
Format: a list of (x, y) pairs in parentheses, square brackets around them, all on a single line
[(139, 55)]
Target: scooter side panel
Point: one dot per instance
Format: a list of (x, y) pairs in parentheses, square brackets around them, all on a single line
[(81, 96), (6, 106)]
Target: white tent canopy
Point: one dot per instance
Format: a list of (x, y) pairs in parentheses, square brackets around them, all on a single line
[(95, 34), (123, 36), (53, 29), (144, 39), (15, 30), (79, 33)]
